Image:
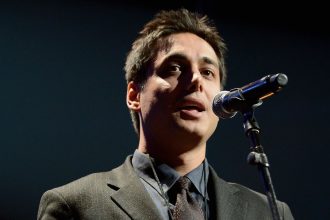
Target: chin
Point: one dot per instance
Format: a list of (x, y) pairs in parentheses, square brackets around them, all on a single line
[(200, 129), (194, 130)]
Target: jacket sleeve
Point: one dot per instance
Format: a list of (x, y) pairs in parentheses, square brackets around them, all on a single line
[(53, 206)]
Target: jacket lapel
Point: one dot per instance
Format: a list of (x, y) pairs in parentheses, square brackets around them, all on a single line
[(131, 195), (228, 203)]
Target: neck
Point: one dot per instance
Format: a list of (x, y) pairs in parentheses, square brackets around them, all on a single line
[(183, 161)]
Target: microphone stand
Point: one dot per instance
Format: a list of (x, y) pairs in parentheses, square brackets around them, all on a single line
[(258, 157)]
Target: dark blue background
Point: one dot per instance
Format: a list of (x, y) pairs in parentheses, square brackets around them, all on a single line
[(62, 96)]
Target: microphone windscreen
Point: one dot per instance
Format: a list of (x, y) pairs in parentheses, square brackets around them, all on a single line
[(217, 106)]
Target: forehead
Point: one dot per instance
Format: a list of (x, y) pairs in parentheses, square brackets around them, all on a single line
[(189, 45)]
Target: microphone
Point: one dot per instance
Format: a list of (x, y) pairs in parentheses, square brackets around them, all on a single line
[(227, 103)]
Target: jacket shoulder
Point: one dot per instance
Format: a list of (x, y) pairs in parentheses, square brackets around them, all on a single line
[(259, 202), (83, 195), (64, 201), (87, 182), (255, 203)]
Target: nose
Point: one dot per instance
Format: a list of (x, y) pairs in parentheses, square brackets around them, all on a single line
[(196, 82)]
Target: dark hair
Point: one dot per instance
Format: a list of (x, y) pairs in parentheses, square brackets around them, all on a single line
[(165, 23)]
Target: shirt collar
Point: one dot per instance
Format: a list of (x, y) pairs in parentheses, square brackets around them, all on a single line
[(167, 175)]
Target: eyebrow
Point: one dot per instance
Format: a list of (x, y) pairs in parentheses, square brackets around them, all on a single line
[(210, 61), (181, 56)]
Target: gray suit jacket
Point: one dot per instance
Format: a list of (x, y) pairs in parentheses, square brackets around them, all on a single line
[(119, 194)]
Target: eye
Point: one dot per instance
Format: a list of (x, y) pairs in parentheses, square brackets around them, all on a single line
[(170, 69), (208, 73), (173, 68)]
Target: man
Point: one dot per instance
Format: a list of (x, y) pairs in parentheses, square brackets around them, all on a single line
[(173, 71)]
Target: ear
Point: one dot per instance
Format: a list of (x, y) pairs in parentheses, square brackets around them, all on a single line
[(133, 96)]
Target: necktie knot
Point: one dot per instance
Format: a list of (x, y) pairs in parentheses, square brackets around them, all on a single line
[(186, 207), (184, 183)]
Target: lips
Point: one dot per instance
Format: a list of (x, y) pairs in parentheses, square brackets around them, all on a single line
[(191, 104)]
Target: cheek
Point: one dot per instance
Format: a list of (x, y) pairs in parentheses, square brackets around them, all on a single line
[(214, 122), (154, 96), (163, 90), (216, 88), (211, 93)]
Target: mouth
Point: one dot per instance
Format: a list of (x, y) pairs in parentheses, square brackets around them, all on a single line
[(191, 107), (191, 104)]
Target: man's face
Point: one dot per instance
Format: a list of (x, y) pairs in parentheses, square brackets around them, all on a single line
[(176, 99)]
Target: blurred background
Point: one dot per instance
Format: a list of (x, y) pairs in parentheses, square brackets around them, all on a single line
[(62, 96)]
